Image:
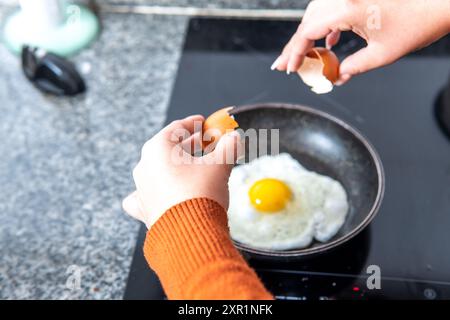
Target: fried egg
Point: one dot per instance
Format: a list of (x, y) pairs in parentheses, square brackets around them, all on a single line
[(277, 204)]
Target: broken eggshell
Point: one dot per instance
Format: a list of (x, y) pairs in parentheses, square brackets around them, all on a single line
[(216, 125), (320, 70)]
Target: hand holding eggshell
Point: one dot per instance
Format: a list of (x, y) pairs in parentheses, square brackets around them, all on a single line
[(167, 175), (391, 29)]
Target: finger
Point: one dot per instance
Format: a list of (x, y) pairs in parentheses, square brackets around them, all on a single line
[(343, 79), (191, 124), (332, 39), (228, 149), (315, 31), (281, 62), (321, 18), (180, 130), (299, 48), (362, 61), (308, 32), (328, 19), (193, 144), (132, 207)]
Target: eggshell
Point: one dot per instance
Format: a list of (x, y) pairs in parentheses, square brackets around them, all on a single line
[(320, 69), (216, 125)]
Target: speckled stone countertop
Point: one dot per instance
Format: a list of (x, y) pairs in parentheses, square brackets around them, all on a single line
[(65, 164), (246, 4), (237, 4)]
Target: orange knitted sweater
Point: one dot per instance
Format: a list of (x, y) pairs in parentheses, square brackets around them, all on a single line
[(191, 251)]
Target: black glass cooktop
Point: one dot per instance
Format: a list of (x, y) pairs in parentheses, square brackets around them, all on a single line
[(227, 62)]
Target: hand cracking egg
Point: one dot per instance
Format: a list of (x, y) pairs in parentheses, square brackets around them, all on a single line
[(277, 204)]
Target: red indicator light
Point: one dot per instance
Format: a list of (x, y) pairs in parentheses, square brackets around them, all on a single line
[(356, 289)]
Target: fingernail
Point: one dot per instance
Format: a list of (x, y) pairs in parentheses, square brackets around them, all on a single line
[(275, 63), (288, 69)]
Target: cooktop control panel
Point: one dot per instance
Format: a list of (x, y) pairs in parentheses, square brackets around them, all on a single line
[(289, 285)]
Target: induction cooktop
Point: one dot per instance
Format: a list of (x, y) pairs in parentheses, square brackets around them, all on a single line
[(405, 252)]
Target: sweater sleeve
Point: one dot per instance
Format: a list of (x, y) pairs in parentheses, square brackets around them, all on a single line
[(191, 251)]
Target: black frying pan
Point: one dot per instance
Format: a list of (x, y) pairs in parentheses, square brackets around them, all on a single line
[(328, 146)]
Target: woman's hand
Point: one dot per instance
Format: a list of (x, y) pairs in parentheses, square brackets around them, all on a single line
[(168, 174), (391, 28)]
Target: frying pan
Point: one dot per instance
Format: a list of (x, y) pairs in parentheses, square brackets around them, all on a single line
[(442, 108), (329, 146)]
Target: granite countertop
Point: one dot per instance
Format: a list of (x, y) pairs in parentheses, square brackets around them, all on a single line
[(65, 163), (236, 4)]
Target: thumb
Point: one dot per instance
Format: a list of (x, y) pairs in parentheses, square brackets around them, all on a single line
[(366, 59), (132, 207), (228, 149)]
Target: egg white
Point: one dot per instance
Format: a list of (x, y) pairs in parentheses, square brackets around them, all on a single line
[(317, 209)]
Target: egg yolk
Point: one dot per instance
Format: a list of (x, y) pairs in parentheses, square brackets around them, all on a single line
[(269, 195)]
